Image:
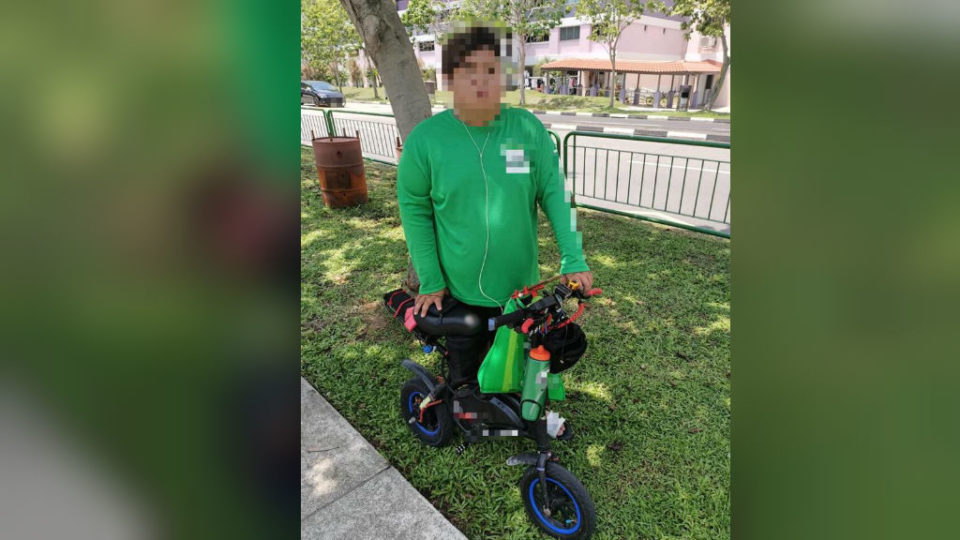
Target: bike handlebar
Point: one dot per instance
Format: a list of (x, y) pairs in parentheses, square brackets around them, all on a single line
[(512, 318), (508, 319)]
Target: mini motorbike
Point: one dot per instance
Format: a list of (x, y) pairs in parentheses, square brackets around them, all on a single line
[(554, 499)]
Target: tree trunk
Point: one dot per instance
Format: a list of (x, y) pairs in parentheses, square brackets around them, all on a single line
[(613, 75), (386, 39), (523, 69), (723, 72)]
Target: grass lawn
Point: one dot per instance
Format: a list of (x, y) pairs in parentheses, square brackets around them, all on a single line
[(650, 400), (536, 100), (352, 93)]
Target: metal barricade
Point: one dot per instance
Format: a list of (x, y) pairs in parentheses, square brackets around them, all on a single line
[(618, 175), (631, 175)]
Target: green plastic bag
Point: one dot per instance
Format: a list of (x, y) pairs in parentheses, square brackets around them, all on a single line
[(502, 369), (555, 388)]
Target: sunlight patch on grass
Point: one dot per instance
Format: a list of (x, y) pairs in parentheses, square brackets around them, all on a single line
[(364, 224), (595, 390), (595, 455), (725, 306), (628, 327), (720, 325), (307, 239), (606, 261)]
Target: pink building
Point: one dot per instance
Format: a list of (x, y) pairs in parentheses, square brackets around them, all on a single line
[(652, 57)]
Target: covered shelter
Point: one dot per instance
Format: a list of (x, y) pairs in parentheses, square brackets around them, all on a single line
[(589, 77)]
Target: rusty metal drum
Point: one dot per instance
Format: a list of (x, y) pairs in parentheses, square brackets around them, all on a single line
[(343, 179)]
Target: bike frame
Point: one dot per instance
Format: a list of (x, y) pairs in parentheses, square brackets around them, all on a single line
[(536, 430)]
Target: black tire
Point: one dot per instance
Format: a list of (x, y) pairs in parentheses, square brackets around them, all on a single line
[(573, 514), (437, 426), (316, 102)]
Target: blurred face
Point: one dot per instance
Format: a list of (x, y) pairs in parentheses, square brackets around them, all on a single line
[(476, 83)]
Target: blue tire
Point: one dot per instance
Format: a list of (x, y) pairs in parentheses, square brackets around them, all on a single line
[(571, 514), (437, 425)]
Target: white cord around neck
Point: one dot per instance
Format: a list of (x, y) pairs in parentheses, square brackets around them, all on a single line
[(486, 211)]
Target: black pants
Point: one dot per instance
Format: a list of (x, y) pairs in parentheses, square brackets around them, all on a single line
[(466, 352)]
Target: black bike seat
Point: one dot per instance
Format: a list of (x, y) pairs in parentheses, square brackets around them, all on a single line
[(455, 319)]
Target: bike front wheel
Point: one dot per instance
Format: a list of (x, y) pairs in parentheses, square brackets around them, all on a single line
[(570, 514)]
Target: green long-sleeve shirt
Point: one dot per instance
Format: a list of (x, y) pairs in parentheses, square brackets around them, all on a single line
[(445, 206)]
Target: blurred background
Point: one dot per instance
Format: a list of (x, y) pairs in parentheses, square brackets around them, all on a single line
[(149, 342), (150, 272), (845, 269)]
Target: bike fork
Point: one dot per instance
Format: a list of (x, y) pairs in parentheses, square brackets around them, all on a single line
[(543, 455)]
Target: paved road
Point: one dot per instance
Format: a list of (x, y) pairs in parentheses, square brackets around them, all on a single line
[(693, 126), (687, 184), (654, 124)]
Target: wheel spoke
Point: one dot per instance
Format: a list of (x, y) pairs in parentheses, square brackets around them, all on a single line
[(561, 510)]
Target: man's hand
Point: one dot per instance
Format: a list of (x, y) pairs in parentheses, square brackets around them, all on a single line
[(422, 303), (585, 279)]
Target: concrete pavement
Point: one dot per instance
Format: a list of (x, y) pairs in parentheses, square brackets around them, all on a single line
[(348, 490)]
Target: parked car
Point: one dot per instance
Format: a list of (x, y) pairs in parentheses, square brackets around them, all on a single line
[(320, 94)]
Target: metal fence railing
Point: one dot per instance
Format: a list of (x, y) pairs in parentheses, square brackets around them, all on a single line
[(557, 139), (378, 133), (312, 121), (682, 183), (691, 191)]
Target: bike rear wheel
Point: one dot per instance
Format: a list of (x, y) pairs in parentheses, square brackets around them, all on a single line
[(437, 425)]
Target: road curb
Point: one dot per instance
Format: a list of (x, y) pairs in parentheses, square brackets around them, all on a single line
[(650, 133), (687, 135), (637, 116)]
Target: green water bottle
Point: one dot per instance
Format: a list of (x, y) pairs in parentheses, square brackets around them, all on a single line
[(535, 383)]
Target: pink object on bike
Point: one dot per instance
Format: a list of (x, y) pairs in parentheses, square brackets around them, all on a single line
[(408, 321)]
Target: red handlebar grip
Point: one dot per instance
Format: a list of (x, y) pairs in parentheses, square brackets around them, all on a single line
[(595, 292), (526, 326)]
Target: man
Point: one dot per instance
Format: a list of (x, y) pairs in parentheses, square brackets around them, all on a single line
[(468, 185)]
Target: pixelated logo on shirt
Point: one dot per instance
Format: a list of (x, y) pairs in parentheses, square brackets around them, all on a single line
[(517, 160)]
